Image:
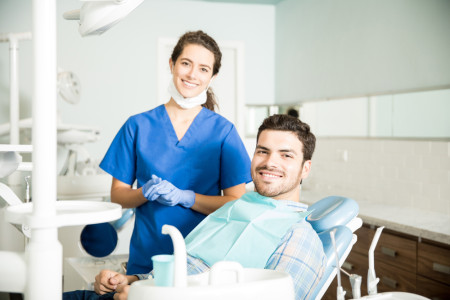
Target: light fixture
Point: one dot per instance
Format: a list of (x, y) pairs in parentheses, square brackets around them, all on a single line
[(95, 17)]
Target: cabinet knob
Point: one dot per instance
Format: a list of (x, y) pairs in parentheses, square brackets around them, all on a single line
[(440, 268), (389, 282), (388, 251)]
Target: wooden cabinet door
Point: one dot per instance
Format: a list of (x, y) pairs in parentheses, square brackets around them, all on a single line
[(398, 251), (393, 279), (432, 289), (434, 262), (365, 236)]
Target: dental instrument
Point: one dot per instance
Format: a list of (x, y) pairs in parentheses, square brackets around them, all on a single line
[(372, 279), (340, 291), (355, 283), (179, 248)]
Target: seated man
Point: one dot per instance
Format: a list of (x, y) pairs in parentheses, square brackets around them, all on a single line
[(281, 160)]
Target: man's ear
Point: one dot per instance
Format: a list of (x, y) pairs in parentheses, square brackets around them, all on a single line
[(170, 65), (306, 169)]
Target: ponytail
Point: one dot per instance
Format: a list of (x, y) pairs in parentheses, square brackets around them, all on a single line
[(211, 102)]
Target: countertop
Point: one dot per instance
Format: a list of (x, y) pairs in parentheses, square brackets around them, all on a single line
[(424, 224)]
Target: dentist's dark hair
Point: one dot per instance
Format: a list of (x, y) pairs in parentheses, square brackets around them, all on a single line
[(202, 39), (294, 125)]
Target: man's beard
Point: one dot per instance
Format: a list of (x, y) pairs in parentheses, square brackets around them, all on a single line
[(268, 190)]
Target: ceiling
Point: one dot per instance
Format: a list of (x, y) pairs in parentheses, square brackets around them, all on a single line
[(271, 2)]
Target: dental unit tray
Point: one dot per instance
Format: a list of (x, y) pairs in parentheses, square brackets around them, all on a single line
[(68, 213)]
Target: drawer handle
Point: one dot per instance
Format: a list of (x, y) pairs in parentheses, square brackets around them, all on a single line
[(440, 268), (388, 251), (347, 266), (389, 282)]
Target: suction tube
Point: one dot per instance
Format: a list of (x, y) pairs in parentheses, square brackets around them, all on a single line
[(372, 279), (180, 257)]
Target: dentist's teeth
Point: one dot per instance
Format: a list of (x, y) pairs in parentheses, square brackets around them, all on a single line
[(189, 84)]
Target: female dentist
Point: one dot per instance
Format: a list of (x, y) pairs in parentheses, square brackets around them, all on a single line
[(182, 154)]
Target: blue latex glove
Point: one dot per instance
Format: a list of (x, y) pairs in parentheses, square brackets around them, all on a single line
[(146, 187), (166, 193)]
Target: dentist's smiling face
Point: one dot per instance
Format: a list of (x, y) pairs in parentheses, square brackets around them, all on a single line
[(277, 165), (193, 70)]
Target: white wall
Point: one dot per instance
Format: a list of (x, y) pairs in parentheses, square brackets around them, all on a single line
[(328, 48), (118, 69)]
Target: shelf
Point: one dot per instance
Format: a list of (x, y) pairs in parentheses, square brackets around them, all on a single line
[(16, 148), (68, 213)]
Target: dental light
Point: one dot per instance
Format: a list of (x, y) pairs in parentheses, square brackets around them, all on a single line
[(95, 17)]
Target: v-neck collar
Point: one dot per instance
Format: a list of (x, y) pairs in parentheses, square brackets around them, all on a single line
[(170, 130)]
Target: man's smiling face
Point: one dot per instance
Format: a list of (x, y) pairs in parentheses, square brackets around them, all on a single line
[(277, 165)]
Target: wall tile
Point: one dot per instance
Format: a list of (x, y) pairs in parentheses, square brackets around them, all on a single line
[(422, 147), (408, 173), (439, 148), (422, 202), (430, 191), (401, 147)]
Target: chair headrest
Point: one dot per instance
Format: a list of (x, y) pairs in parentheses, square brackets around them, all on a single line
[(332, 211)]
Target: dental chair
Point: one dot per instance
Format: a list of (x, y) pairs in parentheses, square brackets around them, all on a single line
[(331, 214), (338, 214)]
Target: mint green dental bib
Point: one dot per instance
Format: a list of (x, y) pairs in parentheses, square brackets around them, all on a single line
[(247, 230)]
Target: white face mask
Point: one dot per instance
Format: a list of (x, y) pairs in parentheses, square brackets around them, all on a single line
[(186, 103)]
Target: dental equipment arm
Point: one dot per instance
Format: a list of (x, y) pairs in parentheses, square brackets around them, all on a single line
[(372, 279), (8, 195), (11, 199), (340, 295), (179, 251), (355, 282)]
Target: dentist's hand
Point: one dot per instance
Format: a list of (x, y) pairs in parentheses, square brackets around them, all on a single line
[(166, 193), (147, 190)]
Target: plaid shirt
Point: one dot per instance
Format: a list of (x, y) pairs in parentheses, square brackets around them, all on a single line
[(300, 254)]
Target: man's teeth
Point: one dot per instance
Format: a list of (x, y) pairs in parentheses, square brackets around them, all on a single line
[(270, 175)]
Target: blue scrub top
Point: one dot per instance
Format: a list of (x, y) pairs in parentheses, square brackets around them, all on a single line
[(209, 158)]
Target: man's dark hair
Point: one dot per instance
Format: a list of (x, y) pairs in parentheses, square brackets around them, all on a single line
[(294, 125)]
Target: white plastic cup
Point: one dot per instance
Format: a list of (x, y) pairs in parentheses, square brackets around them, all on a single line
[(163, 269)]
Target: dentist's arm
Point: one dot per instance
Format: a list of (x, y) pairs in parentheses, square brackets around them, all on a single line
[(166, 193), (124, 194), (208, 204), (128, 197)]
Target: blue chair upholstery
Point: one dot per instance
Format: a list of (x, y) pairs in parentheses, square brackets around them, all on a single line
[(327, 214)]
